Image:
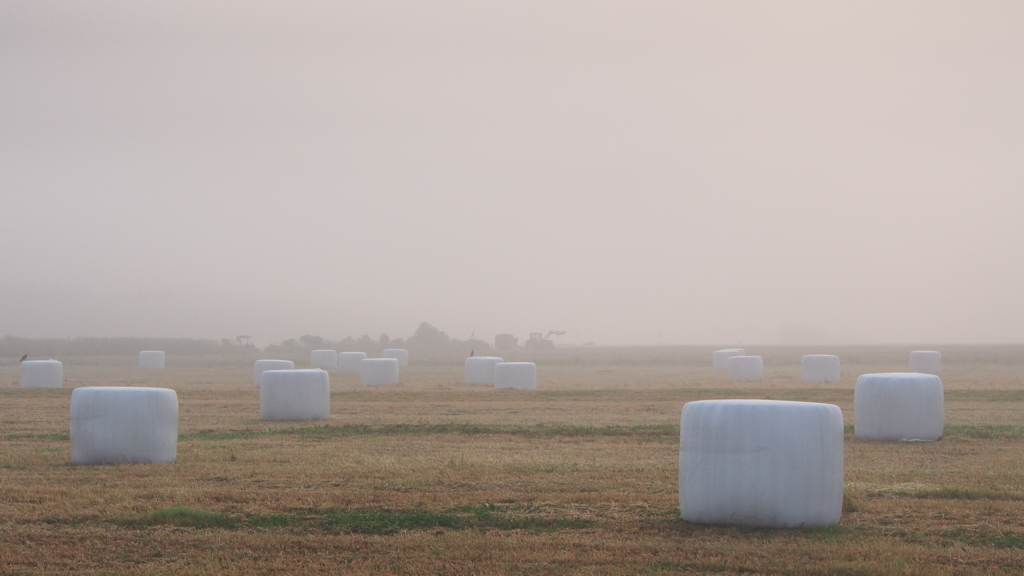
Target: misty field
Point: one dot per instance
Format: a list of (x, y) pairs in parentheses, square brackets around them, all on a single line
[(435, 476)]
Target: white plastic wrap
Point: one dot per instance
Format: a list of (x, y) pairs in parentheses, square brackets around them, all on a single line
[(926, 362), (745, 367), (719, 357), (819, 368), (111, 425), (480, 369), (42, 374), (324, 359), (151, 359), (398, 354), (348, 362), (295, 395), (761, 463), (898, 406), (378, 371), (517, 375), (262, 366)]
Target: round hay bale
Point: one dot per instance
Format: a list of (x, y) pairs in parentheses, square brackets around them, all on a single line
[(719, 357), (397, 353), (516, 375), (480, 369), (262, 366), (151, 359), (898, 406), (295, 395), (819, 368), (112, 425), (745, 367), (926, 362), (378, 371), (348, 362), (323, 359), (42, 374), (761, 463)]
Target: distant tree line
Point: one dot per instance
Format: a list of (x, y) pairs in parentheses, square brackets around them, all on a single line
[(426, 339), (37, 348)]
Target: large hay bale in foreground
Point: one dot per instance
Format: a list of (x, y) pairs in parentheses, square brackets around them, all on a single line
[(926, 362), (262, 366), (42, 374), (745, 367), (295, 395), (151, 359), (819, 368), (515, 375), (719, 357), (761, 463), (378, 371), (398, 354), (348, 362), (480, 369), (324, 359), (112, 425), (898, 406)]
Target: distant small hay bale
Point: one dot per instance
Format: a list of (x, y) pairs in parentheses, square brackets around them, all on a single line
[(898, 406), (719, 357), (515, 375), (323, 359), (348, 362), (151, 359), (480, 369), (262, 366), (761, 463), (745, 367), (378, 371), (295, 395), (397, 353), (926, 362), (42, 374), (112, 425), (819, 368)]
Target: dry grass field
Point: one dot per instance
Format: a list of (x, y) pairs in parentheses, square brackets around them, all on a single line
[(437, 477)]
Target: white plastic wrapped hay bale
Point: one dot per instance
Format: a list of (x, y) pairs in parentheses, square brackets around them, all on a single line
[(480, 369), (398, 354), (819, 368), (348, 362), (926, 362), (516, 375), (111, 425), (151, 359), (745, 367), (262, 366), (719, 357), (42, 374), (761, 463), (324, 359), (898, 406), (378, 371), (295, 395)]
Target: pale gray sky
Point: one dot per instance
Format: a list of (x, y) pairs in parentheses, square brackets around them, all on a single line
[(631, 172)]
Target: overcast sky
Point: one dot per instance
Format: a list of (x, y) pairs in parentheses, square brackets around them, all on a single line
[(630, 172)]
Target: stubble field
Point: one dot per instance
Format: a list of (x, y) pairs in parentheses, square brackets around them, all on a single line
[(435, 476)]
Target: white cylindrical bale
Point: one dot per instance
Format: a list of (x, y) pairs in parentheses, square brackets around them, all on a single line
[(398, 354), (111, 425), (480, 369), (151, 359), (761, 463), (819, 368), (898, 406), (378, 371), (719, 357), (348, 362), (516, 375), (295, 395), (42, 374), (926, 362), (745, 367), (262, 366), (324, 359)]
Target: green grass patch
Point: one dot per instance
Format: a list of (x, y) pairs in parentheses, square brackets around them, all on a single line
[(984, 431), (65, 437), (183, 516), (1012, 541), (956, 493)]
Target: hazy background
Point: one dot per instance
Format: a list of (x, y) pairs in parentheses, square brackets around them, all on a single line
[(631, 172)]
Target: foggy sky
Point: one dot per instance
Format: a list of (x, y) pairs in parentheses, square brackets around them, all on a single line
[(630, 172)]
